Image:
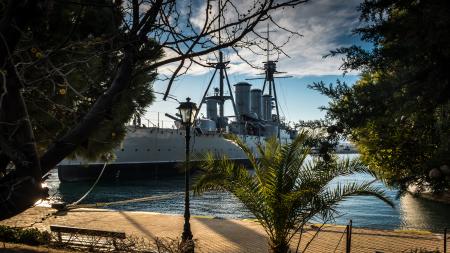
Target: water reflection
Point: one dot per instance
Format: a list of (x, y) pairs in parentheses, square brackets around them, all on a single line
[(422, 213), (410, 212), (368, 211)]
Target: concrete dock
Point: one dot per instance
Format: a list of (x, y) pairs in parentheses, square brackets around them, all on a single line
[(226, 235)]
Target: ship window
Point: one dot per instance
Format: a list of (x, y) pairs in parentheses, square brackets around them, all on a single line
[(136, 150), (159, 149)]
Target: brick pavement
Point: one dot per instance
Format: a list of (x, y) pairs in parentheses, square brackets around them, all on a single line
[(226, 235)]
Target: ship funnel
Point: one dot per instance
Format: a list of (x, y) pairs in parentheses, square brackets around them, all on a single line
[(243, 98), (256, 102), (211, 108), (267, 107)]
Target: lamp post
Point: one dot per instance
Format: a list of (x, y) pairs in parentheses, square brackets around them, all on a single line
[(187, 111)]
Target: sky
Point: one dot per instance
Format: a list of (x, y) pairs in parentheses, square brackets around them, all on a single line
[(324, 25)]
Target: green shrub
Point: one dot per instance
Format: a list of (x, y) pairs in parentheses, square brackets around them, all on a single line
[(8, 234), (30, 236)]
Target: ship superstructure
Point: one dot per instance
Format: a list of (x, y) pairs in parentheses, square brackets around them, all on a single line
[(152, 152)]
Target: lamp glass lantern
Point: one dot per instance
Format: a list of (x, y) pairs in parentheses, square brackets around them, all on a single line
[(188, 110)]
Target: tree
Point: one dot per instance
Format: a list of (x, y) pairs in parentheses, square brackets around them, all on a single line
[(398, 112), (184, 30), (326, 136), (63, 74), (285, 191)]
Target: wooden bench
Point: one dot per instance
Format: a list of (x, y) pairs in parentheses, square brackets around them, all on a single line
[(71, 231)]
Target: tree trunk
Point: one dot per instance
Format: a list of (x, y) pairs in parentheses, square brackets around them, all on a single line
[(20, 188), (279, 247)]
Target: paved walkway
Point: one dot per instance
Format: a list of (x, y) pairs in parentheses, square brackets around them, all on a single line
[(223, 235)]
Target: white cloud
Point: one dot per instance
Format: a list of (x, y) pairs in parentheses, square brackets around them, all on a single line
[(324, 24)]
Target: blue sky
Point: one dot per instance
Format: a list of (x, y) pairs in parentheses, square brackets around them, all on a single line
[(324, 24)]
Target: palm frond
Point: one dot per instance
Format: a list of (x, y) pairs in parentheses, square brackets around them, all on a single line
[(286, 189), (234, 138), (330, 197), (223, 174), (293, 157)]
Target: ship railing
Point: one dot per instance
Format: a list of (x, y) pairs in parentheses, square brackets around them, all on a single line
[(153, 119)]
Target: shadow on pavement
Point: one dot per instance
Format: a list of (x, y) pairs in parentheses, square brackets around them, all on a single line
[(135, 223), (249, 238)]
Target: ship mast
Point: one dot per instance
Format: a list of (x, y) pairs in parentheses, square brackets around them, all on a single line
[(220, 66), (270, 70)]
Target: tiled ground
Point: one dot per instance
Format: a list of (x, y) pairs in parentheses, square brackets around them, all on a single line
[(218, 235)]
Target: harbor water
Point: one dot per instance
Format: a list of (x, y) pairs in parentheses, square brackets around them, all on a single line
[(410, 212)]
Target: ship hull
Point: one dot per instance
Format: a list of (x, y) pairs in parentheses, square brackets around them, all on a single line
[(127, 171), (151, 153)]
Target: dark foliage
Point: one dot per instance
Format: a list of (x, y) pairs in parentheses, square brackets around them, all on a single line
[(30, 236), (398, 113)]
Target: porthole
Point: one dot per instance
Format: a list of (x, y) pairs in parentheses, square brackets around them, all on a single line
[(136, 150), (159, 149)]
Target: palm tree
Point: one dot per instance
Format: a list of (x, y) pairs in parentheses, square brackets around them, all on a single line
[(285, 190)]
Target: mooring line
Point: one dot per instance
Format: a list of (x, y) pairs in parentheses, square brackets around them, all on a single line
[(77, 204), (89, 191), (102, 204)]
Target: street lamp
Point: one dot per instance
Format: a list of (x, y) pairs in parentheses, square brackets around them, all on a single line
[(187, 112)]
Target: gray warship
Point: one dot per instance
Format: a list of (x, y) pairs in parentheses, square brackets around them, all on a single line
[(153, 152)]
